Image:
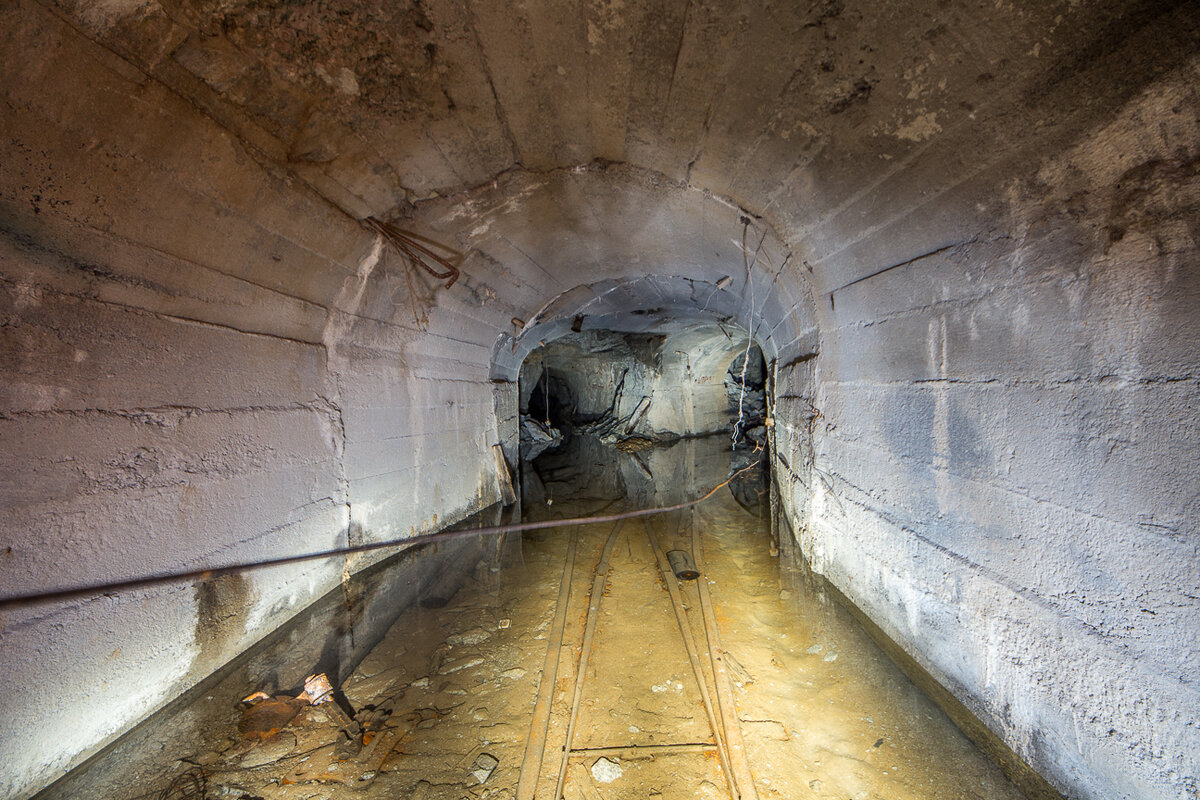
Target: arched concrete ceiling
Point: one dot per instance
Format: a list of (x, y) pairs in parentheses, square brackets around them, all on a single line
[(829, 120), (625, 249)]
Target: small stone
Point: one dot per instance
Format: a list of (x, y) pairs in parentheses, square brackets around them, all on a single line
[(469, 638), (606, 771), (831, 656), (455, 666), (516, 673), (504, 623), (815, 785), (816, 648), (484, 766)]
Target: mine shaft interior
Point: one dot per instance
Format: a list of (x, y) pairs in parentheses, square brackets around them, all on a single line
[(543, 399), (441, 656)]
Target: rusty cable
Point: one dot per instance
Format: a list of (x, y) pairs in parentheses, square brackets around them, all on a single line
[(414, 250), (210, 573)]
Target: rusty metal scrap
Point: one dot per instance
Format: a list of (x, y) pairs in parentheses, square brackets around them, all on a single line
[(414, 251)]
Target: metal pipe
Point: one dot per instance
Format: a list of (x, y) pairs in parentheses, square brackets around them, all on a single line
[(681, 565)]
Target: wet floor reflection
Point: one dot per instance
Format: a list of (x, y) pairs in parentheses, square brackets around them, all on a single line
[(750, 679)]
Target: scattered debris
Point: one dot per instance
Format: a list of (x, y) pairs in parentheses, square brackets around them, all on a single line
[(265, 718), (507, 492), (278, 747), (739, 673), (373, 718), (537, 438), (317, 690), (638, 412), (455, 666), (484, 766), (681, 565), (634, 444), (469, 638)]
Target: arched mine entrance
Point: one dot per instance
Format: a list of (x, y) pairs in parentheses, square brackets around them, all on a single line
[(617, 397)]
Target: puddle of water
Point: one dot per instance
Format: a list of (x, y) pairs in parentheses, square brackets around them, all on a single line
[(448, 689)]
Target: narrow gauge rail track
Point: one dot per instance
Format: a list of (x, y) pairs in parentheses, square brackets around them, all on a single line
[(713, 682)]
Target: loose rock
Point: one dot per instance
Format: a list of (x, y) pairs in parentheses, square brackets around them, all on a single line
[(484, 766), (606, 771)]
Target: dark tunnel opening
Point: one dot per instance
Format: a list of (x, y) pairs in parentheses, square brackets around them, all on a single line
[(605, 398)]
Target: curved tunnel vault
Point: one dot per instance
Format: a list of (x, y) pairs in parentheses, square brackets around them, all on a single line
[(963, 235)]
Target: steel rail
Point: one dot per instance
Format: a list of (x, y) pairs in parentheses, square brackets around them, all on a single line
[(724, 686), (535, 748), (689, 642), (589, 633)]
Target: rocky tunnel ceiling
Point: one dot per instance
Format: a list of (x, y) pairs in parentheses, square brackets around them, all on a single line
[(964, 234)]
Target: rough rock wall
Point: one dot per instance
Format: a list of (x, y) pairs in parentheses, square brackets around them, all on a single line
[(203, 364), (664, 385)]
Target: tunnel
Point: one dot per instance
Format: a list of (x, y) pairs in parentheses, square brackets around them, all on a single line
[(290, 277)]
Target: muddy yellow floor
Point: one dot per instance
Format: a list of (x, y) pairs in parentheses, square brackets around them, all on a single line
[(746, 682)]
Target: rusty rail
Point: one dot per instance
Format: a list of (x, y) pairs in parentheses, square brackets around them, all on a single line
[(535, 748)]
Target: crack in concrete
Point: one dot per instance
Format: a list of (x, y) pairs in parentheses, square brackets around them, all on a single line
[(155, 415), (904, 263), (501, 114)]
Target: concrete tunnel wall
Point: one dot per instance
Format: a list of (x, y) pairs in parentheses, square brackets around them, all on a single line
[(977, 284)]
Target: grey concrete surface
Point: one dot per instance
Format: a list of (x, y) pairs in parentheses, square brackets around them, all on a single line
[(964, 234)]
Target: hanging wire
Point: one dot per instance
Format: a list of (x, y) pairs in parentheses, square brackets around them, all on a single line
[(415, 251), (190, 785), (115, 587), (414, 254), (750, 264)]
